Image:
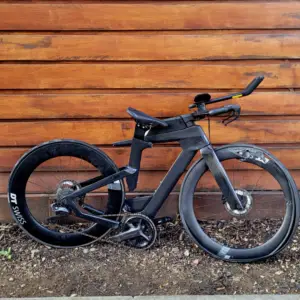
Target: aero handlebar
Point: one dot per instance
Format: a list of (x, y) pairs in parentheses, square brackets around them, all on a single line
[(247, 91)]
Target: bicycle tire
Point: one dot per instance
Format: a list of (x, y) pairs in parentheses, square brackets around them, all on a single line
[(35, 157), (268, 249)]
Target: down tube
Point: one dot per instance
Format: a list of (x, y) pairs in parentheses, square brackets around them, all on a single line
[(169, 182)]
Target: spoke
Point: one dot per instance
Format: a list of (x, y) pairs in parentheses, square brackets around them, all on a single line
[(268, 209), (216, 202), (209, 205), (255, 184), (44, 184), (233, 175), (36, 184), (78, 170), (218, 214), (70, 159), (59, 173)]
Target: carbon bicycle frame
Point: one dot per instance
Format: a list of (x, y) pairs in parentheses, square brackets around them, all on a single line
[(191, 138)]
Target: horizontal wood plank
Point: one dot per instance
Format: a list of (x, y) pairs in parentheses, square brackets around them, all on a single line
[(148, 75), (149, 15), (157, 158), (114, 105), (140, 47), (46, 182), (107, 132), (149, 46), (207, 206)]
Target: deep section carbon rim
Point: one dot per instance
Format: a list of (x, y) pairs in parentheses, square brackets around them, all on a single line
[(257, 231), (47, 173)]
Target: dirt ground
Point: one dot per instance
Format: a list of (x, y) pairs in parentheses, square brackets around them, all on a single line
[(174, 266)]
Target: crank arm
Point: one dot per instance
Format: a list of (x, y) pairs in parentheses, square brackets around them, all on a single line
[(220, 176), (99, 183), (131, 233), (99, 220)]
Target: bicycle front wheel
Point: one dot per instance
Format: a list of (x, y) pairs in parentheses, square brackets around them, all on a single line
[(269, 196)]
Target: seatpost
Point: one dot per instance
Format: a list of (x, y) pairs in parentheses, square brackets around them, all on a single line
[(137, 147), (139, 131)]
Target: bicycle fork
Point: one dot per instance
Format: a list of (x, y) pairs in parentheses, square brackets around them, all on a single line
[(220, 176)]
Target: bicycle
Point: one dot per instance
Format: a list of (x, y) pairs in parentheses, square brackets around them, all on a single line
[(93, 206)]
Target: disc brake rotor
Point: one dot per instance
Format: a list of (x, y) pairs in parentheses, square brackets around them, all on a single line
[(246, 200)]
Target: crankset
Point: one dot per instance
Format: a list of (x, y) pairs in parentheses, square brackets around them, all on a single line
[(137, 231)]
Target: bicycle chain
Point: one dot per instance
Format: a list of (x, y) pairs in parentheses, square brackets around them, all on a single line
[(101, 238)]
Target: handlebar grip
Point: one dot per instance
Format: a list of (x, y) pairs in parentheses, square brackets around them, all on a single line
[(219, 111), (224, 110), (253, 85)]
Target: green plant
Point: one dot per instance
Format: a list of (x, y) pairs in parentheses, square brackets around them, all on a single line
[(6, 253)]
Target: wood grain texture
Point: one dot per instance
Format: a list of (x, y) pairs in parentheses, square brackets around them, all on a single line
[(46, 182), (148, 75), (207, 206), (158, 158), (154, 15), (149, 46), (113, 105), (107, 132), (70, 69)]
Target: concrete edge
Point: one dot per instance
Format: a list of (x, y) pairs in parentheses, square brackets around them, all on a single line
[(181, 297)]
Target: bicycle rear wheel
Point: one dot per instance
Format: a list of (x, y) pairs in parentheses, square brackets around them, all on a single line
[(47, 173), (268, 193)]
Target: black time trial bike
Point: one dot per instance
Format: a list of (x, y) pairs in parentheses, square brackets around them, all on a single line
[(237, 202)]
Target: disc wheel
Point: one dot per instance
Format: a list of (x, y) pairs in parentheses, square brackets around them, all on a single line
[(270, 212), (49, 172)]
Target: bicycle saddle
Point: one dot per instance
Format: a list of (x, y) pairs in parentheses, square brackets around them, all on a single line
[(144, 119)]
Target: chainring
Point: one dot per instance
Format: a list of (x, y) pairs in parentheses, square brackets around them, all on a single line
[(148, 229)]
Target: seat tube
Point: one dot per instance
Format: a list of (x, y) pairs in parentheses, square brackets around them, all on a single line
[(220, 176)]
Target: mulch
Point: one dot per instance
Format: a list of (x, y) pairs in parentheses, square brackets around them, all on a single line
[(173, 266)]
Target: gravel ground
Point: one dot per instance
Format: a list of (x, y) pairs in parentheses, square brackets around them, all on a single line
[(173, 266)]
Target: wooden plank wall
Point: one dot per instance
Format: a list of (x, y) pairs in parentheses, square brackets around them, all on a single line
[(69, 69)]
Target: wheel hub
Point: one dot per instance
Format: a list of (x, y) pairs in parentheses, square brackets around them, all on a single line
[(246, 200), (65, 188)]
